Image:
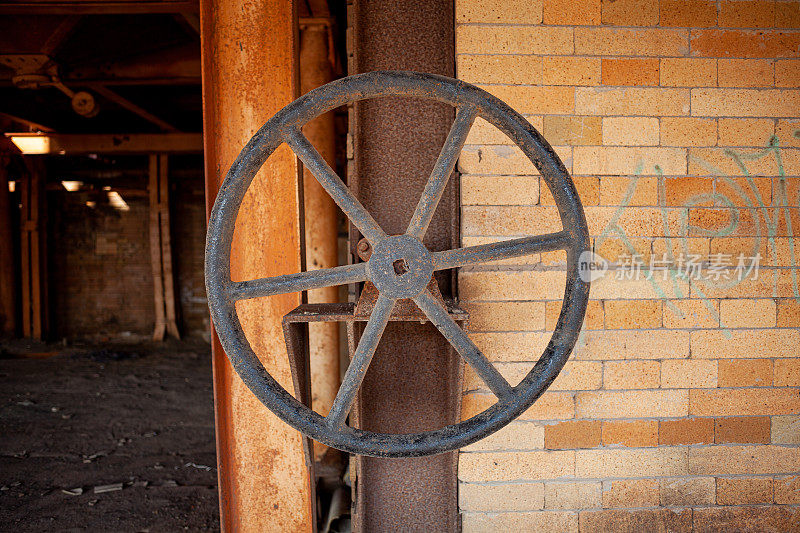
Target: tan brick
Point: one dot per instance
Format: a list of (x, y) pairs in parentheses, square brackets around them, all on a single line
[(630, 493), (630, 12), (572, 434), (788, 314), (745, 131), (745, 102), (688, 72), (505, 316), (786, 130), (622, 462), (787, 489), (687, 491), (743, 490), (564, 70), (745, 373), (572, 14), (746, 73), (685, 131), (744, 43), (634, 344), (630, 433), (651, 42), (787, 372), (633, 314), (742, 344), (630, 71), (742, 430), (588, 188), (630, 131), (757, 518), (515, 466), (505, 69), (509, 347), (572, 494), (688, 13), (727, 402), (511, 285), (544, 40), (632, 404), (631, 375), (516, 436), (787, 73), (785, 429), (593, 320), (531, 99), (656, 287), (572, 130), (504, 497), (695, 245), (691, 313), (619, 251), (746, 14), (550, 406), (686, 431), (533, 521), (688, 373), (639, 190), (579, 375), (631, 521), (616, 160), (488, 11), (647, 101), (499, 190), (748, 313), (742, 459)]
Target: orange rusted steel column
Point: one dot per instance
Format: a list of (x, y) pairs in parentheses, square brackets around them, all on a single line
[(249, 58), (321, 225)]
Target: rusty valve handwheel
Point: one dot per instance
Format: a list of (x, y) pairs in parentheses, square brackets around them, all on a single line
[(409, 280)]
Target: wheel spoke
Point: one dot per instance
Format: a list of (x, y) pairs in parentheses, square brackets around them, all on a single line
[(438, 315), (360, 363), (302, 281), (501, 250), (336, 188), (441, 172)]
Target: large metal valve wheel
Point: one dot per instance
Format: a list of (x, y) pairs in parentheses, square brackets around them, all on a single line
[(400, 265)]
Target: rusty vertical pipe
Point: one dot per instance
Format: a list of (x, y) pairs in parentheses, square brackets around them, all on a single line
[(321, 224), (249, 69), (8, 324)]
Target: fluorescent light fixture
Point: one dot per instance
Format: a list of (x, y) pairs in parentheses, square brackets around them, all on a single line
[(12, 186), (30, 143), (116, 201), (72, 186)]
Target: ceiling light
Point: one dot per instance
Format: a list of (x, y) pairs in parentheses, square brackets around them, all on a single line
[(72, 186), (30, 143)]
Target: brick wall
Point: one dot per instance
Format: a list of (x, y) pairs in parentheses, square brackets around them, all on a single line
[(678, 409)]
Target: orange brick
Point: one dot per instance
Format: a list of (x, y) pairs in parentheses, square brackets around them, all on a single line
[(687, 491), (787, 14), (746, 14), (593, 320), (688, 72), (688, 373), (628, 71), (745, 373), (678, 191), (651, 42), (787, 489), (787, 131), (532, 99), (630, 12), (631, 404), (614, 189), (630, 131), (511, 466), (787, 73), (787, 372), (686, 431), (572, 13), (631, 375), (745, 131), (741, 490), (630, 493), (633, 434), (508, 12), (691, 313), (633, 314), (727, 402), (748, 313), (689, 13), (743, 459), (636, 520), (746, 73), (686, 131), (618, 251), (747, 102), (742, 430), (572, 434), (744, 43), (561, 70)]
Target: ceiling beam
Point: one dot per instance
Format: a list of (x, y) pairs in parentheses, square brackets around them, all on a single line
[(134, 143), (89, 7), (133, 108)]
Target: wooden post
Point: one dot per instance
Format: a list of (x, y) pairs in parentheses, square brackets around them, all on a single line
[(160, 249), (32, 245), (8, 323)]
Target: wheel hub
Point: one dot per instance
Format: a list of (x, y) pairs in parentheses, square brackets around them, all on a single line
[(400, 266)]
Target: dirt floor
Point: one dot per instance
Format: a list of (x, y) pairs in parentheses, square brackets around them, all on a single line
[(107, 438)]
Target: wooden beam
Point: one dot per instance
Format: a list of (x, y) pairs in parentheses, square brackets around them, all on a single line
[(133, 108), (34, 313), (57, 38), (161, 249), (134, 143)]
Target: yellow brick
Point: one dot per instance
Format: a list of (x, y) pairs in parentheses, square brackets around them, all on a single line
[(484, 133), (515, 466), (632, 404), (744, 102), (785, 429), (533, 521), (499, 190), (503, 497), (621, 493), (738, 491), (506, 316), (745, 131), (509, 220), (605, 463), (608, 287), (746, 14), (565, 70), (516, 436), (691, 313), (572, 494), (688, 373), (787, 489), (695, 245), (745, 373), (496, 159), (746, 459), (542, 40), (685, 131), (528, 99), (550, 406), (688, 72), (630, 12), (748, 313), (616, 160), (511, 347), (631, 375), (786, 132), (653, 42), (648, 101), (687, 491), (588, 188), (762, 343), (787, 73), (592, 320), (630, 433), (572, 14), (633, 314), (505, 69), (787, 371), (615, 250), (630, 131), (788, 313), (572, 130), (645, 344), (731, 402), (614, 189), (488, 11), (746, 73), (576, 375)]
